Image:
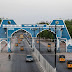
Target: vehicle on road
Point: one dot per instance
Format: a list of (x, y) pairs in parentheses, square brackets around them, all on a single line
[(21, 36), (49, 47), (19, 41), (22, 48), (69, 64), (61, 58), (16, 44), (29, 58), (37, 41)]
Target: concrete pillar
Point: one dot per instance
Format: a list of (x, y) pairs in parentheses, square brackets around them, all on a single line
[(0, 46), (58, 45), (68, 42), (66, 45), (9, 44), (33, 42)]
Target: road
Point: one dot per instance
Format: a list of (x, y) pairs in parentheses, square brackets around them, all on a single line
[(17, 62), (50, 57)]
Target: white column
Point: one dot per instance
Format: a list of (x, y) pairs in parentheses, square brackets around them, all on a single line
[(9, 44), (33, 42), (0, 46), (66, 45), (58, 44), (71, 41)]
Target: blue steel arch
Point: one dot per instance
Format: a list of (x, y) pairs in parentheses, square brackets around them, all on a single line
[(31, 28), (18, 30), (10, 32), (65, 33), (3, 30), (10, 28), (58, 32), (63, 40), (3, 40), (48, 30)]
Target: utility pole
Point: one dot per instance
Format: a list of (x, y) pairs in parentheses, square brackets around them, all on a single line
[(55, 45), (39, 39), (55, 41), (34, 33)]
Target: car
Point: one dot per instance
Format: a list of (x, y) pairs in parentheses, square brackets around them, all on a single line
[(37, 41), (29, 58), (22, 48), (16, 44), (20, 39), (69, 64), (61, 58), (49, 47), (21, 36)]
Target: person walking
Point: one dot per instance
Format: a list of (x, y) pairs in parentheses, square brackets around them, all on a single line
[(9, 57)]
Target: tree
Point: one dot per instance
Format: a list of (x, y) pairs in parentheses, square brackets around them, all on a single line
[(69, 26), (42, 22), (0, 20), (46, 33)]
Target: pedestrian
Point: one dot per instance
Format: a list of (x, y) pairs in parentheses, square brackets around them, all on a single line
[(9, 56)]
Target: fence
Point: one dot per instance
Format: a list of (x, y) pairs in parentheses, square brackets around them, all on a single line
[(44, 64)]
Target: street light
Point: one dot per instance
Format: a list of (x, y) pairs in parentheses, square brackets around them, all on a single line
[(55, 41), (39, 39), (39, 43)]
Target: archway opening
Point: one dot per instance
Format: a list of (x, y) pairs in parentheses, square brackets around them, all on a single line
[(18, 40), (3, 46), (46, 38), (46, 34)]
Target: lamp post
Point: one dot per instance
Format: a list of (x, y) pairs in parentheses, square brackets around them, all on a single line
[(55, 41), (55, 45), (39, 39), (39, 43)]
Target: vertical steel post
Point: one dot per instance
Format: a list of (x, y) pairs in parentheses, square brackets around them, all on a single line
[(0, 47), (39, 43), (39, 39), (34, 33), (9, 44), (55, 45)]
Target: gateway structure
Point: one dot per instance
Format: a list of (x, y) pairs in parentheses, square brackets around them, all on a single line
[(9, 27)]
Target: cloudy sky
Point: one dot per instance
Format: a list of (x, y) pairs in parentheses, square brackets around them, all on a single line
[(33, 11)]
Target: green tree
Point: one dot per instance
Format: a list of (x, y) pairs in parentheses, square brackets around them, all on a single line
[(69, 26), (0, 20), (46, 33), (42, 22)]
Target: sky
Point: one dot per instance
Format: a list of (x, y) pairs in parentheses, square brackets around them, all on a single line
[(35, 11)]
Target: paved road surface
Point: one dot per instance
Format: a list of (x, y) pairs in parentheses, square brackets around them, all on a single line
[(50, 57), (17, 63)]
